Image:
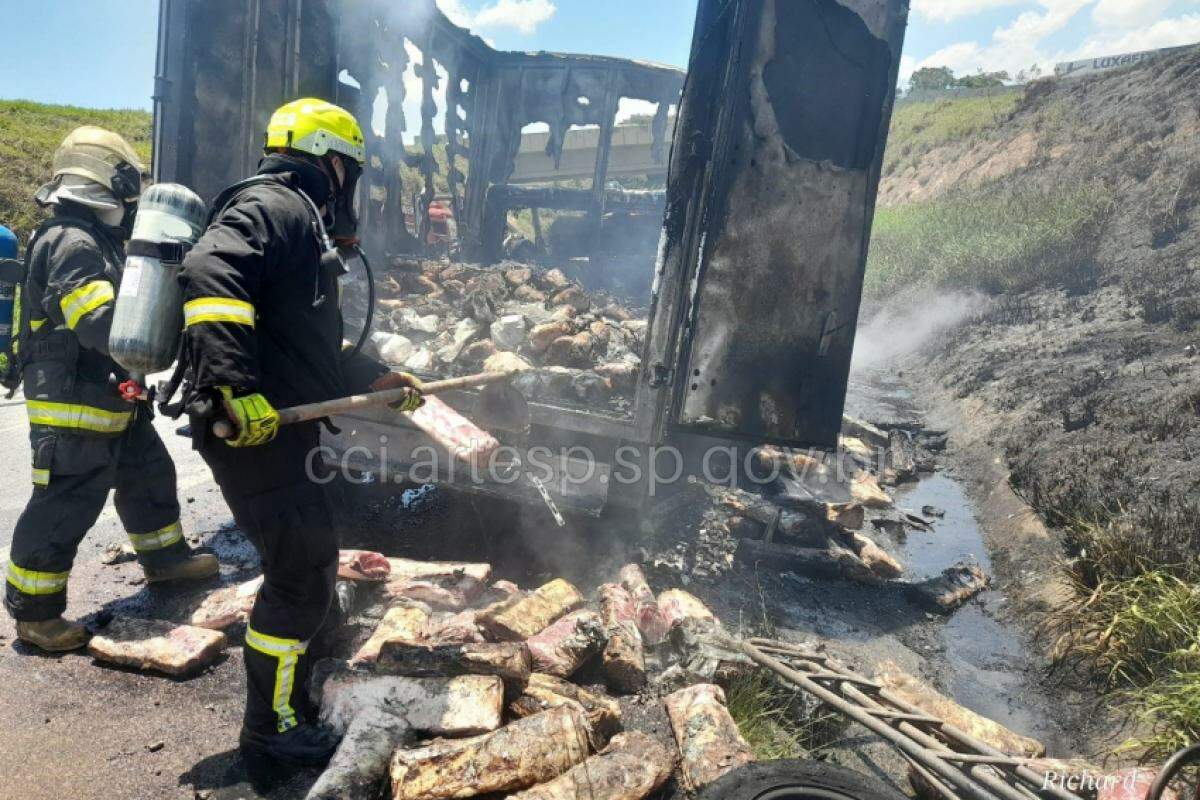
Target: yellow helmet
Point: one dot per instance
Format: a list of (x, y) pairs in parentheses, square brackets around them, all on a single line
[(101, 156), (316, 127)]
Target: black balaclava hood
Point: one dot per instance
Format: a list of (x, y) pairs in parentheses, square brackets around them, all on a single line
[(313, 180), (318, 184), (345, 219)]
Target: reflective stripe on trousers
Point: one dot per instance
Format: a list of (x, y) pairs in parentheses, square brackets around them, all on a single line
[(77, 417), (32, 582), (287, 653), (157, 540)]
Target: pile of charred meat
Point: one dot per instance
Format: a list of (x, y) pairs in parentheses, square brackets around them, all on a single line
[(455, 685), (452, 319)]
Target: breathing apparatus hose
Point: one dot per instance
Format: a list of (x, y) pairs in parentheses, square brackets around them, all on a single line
[(366, 330)]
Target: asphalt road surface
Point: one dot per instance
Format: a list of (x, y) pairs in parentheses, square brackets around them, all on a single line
[(72, 728)]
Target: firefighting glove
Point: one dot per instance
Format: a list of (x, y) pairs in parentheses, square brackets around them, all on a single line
[(256, 420), (400, 380)]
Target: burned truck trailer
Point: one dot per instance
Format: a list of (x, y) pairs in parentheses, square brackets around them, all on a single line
[(220, 75), (779, 132)]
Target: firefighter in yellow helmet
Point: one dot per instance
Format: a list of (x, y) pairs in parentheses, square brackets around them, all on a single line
[(87, 441), (263, 330)]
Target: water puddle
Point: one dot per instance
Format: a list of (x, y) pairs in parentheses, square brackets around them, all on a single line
[(955, 537), (988, 665)]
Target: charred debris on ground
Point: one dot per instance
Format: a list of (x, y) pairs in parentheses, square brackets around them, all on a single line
[(443, 666)]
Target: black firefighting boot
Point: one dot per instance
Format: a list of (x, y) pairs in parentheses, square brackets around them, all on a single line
[(305, 745), (196, 567), (53, 635)]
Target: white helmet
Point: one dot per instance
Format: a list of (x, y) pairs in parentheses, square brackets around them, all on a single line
[(103, 157), (96, 169)]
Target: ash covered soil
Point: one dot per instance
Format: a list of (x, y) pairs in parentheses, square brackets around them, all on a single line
[(1091, 406)]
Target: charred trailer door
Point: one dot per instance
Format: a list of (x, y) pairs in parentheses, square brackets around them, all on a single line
[(222, 69), (770, 202)]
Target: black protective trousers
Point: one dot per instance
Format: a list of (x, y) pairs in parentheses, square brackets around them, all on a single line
[(73, 475), (290, 520)]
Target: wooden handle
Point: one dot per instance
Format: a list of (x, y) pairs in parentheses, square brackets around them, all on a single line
[(223, 429)]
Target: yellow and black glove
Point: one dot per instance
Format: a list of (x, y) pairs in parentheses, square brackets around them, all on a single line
[(255, 418), (401, 380)]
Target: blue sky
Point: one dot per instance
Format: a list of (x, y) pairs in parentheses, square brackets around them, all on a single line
[(100, 53)]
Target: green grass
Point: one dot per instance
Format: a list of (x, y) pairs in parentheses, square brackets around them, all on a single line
[(919, 127), (778, 721), (1142, 635), (1135, 629), (997, 238), (1170, 709), (1135, 619), (29, 135), (1123, 543)]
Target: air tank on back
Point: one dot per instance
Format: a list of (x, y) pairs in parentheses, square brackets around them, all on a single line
[(148, 317)]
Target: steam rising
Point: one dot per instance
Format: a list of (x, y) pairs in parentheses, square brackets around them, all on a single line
[(908, 323)]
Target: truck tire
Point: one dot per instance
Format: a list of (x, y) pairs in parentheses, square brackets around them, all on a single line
[(794, 779)]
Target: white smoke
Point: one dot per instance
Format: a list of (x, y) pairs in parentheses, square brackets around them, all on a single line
[(906, 324)]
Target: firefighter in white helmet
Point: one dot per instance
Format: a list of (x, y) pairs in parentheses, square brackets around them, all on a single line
[(86, 440)]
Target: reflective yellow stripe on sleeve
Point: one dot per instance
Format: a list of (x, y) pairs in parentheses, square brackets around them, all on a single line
[(41, 477), (36, 324), (157, 540), (79, 303), (28, 581), (217, 309), (68, 415), (287, 652)]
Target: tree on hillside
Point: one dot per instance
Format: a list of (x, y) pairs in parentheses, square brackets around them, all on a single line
[(937, 79), (983, 80), (931, 79)]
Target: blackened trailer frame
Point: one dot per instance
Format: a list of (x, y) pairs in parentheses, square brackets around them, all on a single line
[(773, 173), (220, 73)]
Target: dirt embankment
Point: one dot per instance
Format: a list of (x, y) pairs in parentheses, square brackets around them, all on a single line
[(1091, 387), (1087, 383), (1136, 131)]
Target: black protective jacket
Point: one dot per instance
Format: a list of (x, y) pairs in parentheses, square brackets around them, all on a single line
[(75, 268), (260, 313)]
